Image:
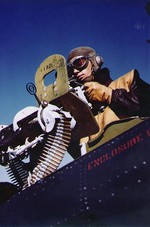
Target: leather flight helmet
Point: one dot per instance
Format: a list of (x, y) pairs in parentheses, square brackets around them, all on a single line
[(85, 51)]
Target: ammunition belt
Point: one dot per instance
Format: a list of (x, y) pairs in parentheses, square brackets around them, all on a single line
[(17, 173), (53, 151)]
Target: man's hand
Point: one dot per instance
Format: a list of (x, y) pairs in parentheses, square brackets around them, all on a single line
[(97, 92)]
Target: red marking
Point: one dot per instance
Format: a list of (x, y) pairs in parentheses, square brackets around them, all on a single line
[(118, 150), (148, 132)]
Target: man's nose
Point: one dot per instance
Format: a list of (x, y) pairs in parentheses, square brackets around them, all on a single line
[(76, 71)]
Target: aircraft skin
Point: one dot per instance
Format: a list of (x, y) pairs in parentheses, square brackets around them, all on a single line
[(109, 186)]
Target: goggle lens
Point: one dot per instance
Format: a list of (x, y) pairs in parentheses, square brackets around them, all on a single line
[(79, 63)]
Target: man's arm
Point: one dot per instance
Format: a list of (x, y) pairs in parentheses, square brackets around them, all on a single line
[(120, 101)]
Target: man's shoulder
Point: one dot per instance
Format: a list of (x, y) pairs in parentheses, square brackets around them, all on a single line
[(102, 76)]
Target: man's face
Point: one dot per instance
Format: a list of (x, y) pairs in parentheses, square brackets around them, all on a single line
[(85, 75)]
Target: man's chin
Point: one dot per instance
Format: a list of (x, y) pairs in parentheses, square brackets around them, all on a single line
[(87, 79)]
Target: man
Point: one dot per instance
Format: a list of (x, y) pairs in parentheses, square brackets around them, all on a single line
[(112, 100)]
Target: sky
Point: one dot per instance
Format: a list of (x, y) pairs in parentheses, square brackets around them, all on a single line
[(32, 30)]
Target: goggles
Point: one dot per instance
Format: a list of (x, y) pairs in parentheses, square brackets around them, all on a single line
[(79, 63)]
